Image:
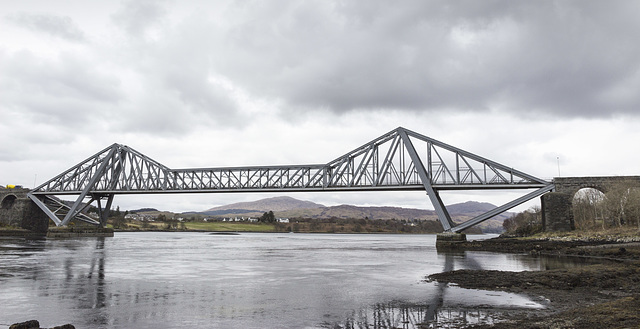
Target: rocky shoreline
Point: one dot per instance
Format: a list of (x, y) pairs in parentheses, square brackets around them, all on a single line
[(604, 294)]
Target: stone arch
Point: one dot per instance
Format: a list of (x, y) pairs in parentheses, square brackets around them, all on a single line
[(588, 185), (8, 201), (557, 206), (587, 205)]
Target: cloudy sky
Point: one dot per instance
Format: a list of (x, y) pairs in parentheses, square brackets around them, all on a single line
[(232, 83)]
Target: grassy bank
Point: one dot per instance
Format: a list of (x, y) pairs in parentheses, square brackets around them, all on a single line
[(198, 226), (230, 227)]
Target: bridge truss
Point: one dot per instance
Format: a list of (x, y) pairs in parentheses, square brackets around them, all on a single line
[(399, 160)]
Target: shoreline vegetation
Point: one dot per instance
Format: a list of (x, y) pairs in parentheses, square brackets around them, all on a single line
[(602, 294), (296, 225)]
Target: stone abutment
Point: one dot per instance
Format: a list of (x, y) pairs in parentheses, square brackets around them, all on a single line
[(557, 209), (17, 210)]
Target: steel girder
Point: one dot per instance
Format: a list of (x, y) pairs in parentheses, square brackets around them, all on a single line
[(399, 160)]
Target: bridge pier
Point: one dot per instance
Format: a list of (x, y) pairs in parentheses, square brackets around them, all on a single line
[(17, 210), (557, 212), (448, 240)]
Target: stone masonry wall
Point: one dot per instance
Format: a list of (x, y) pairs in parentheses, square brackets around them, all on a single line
[(557, 213), (17, 210), (571, 185)]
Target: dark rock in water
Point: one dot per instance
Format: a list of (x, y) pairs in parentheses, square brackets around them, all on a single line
[(31, 324), (34, 324)]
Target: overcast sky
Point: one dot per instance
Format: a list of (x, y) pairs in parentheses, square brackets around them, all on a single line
[(233, 83)]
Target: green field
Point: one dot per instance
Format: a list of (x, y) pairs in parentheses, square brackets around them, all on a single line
[(230, 227), (202, 226)]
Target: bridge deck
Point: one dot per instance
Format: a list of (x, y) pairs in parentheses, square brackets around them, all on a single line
[(303, 189)]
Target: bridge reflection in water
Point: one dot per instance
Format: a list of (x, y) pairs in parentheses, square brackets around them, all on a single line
[(392, 316), (438, 312)]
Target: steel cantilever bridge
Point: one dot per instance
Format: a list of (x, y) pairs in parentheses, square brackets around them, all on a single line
[(400, 160)]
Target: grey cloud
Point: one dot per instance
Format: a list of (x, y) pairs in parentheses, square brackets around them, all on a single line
[(58, 26), (561, 58), (66, 90), (175, 74), (191, 83), (137, 17), (176, 106)]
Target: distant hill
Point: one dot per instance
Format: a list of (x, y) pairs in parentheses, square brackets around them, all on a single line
[(290, 208), (461, 212), (475, 208), (276, 204), (470, 207), (350, 211)]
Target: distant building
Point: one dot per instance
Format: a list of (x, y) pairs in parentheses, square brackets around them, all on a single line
[(138, 217)]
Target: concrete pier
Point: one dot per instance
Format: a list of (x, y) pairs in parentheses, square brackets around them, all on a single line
[(449, 240)]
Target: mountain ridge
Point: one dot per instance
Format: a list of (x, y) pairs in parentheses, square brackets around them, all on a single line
[(279, 203), (289, 207)]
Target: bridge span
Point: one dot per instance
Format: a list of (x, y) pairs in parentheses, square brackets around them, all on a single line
[(399, 160)]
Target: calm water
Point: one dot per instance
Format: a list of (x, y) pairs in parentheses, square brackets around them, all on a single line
[(201, 280)]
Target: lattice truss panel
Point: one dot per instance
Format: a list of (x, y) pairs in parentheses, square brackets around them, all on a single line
[(398, 160), (116, 168), (247, 178), (449, 167)]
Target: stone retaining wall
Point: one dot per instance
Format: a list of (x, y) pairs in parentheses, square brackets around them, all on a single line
[(17, 210)]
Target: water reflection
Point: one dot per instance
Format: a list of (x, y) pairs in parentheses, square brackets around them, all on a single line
[(445, 306), (84, 276), (150, 280), (393, 316), (16, 254), (484, 260)]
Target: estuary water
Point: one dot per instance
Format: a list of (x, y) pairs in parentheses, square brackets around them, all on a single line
[(249, 280)]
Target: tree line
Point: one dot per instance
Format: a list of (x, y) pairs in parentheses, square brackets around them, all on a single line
[(359, 225), (618, 207)]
